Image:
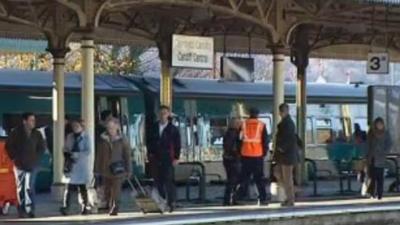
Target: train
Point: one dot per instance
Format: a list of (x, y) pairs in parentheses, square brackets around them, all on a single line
[(201, 108)]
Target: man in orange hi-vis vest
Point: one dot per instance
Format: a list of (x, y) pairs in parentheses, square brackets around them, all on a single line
[(254, 149)]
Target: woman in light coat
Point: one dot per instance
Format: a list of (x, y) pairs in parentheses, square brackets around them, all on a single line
[(77, 174)]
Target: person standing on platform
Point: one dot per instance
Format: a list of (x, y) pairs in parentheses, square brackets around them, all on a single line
[(25, 145), (286, 154), (254, 148), (113, 163), (163, 153), (101, 128), (379, 145), (231, 161), (77, 172)]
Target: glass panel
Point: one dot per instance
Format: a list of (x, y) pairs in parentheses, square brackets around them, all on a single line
[(309, 131), (393, 117)]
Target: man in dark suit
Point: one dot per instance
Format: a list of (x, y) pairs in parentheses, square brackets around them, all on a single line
[(286, 154), (164, 147)]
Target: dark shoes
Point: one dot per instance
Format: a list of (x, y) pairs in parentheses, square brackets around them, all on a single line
[(230, 203), (65, 211), (287, 204), (114, 211), (31, 215), (86, 211), (262, 203), (171, 208), (23, 214)]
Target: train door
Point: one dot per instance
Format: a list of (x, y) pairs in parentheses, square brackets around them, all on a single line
[(118, 107)]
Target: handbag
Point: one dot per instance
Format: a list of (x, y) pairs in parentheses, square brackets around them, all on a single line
[(117, 168), (68, 162)]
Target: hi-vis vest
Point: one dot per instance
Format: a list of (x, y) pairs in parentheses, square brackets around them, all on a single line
[(252, 145)]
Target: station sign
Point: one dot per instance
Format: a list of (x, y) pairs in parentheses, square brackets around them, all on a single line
[(378, 63), (192, 51)]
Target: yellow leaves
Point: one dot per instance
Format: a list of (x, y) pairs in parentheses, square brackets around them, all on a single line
[(108, 60)]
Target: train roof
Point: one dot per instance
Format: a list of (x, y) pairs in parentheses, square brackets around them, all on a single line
[(42, 81), (202, 88)]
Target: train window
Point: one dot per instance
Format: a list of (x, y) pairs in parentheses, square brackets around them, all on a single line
[(324, 123), (268, 123), (324, 131), (217, 130), (363, 123)]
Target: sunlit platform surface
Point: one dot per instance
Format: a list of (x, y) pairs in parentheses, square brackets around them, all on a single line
[(215, 214)]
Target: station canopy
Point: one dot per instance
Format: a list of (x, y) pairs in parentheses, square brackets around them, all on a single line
[(346, 29)]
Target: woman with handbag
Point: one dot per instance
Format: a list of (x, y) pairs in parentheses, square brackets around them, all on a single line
[(76, 167), (113, 162)]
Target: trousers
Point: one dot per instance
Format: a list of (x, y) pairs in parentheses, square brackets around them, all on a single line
[(254, 167), (70, 188), (112, 191), (165, 182), (232, 169), (24, 182), (284, 176), (375, 188)]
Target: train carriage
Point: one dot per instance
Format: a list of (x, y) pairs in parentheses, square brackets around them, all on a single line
[(202, 109)]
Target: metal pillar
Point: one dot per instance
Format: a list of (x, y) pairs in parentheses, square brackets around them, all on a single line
[(164, 45), (299, 57), (58, 119), (166, 84), (88, 114), (278, 60), (301, 109)]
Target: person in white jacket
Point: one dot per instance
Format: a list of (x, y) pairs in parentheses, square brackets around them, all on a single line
[(76, 167)]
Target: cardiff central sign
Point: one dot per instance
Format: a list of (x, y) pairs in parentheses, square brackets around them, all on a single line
[(192, 51)]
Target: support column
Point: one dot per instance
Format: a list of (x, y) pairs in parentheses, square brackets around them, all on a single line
[(58, 119), (278, 59), (299, 57), (164, 45), (301, 109), (166, 84), (88, 107)]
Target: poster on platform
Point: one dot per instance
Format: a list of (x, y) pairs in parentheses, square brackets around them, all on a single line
[(192, 51)]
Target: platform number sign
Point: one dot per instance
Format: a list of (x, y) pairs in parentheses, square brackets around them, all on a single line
[(378, 63)]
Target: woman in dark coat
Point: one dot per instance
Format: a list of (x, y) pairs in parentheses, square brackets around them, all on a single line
[(379, 144), (231, 160)]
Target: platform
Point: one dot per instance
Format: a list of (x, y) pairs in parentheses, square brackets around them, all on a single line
[(309, 210), (340, 210)]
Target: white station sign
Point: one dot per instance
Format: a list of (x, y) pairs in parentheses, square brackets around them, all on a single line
[(192, 51), (378, 63)]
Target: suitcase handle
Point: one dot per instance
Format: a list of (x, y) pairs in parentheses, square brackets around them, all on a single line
[(138, 183)]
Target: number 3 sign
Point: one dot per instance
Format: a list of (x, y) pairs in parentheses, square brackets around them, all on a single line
[(378, 63)]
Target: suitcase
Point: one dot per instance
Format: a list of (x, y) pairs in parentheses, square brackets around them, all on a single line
[(148, 201)]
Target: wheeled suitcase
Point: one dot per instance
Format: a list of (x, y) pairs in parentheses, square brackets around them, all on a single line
[(148, 200)]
